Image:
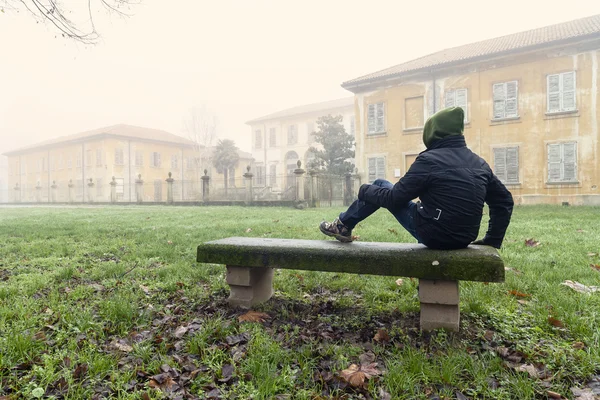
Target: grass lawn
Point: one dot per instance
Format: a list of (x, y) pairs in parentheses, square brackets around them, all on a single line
[(109, 302)]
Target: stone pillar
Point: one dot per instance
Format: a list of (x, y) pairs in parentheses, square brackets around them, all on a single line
[(17, 193), (312, 188), (139, 189), (348, 189), (53, 192), (299, 172), (113, 190), (70, 185), (249, 286), (38, 193), (248, 175), (205, 186), (170, 181), (439, 304), (90, 191)]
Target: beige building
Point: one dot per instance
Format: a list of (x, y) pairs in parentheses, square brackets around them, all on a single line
[(281, 139), (3, 179), (531, 105), (82, 166)]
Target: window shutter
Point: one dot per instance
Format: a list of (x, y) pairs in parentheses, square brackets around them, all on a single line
[(371, 118), (499, 96), (512, 90), (500, 163), (512, 165), (461, 100), (381, 117), (449, 99), (553, 93), (380, 167), (372, 169), (568, 91), (569, 161), (554, 162)]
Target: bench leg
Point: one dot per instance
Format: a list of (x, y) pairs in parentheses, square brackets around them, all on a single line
[(249, 286), (439, 304)]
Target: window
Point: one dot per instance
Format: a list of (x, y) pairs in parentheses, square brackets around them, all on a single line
[(98, 157), (376, 118), (352, 126), (78, 160), (69, 163), (273, 175), (292, 134), (174, 162), (376, 168), (119, 158), (562, 162), (310, 130), (257, 139), (506, 164), (259, 175), (155, 159), (88, 158), (414, 116), (139, 158), (506, 100), (272, 137), (456, 98), (189, 162), (561, 92)]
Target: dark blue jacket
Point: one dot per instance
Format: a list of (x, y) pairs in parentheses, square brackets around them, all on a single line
[(452, 184)]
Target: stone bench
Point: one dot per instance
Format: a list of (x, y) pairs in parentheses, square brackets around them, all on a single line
[(250, 263)]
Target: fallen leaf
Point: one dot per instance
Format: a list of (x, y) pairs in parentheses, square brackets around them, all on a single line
[(355, 237), (226, 373), (253, 316), (145, 289), (531, 243), (553, 395), (555, 322), (522, 302), (592, 254), (248, 230), (179, 332), (585, 394), (213, 394), (399, 282), (530, 369), (145, 396), (163, 382), (516, 271), (383, 395), (80, 371), (391, 230), (518, 294), (580, 230), (356, 375), (436, 262), (236, 339), (595, 266), (381, 336), (460, 396), (122, 346), (275, 220), (366, 358), (578, 345), (488, 335), (579, 287), (169, 242)]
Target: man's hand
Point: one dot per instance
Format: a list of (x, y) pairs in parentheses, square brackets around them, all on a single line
[(362, 190)]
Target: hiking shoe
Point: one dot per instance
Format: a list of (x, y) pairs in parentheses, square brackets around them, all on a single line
[(336, 229)]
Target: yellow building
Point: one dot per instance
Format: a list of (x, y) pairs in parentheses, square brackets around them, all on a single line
[(81, 167), (531, 106)]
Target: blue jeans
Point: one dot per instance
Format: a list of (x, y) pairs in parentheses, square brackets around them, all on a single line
[(359, 210)]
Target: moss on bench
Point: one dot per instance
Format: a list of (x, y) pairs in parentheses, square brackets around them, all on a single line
[(475, 263)]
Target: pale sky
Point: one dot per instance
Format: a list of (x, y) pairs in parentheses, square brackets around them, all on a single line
[(242, 59)]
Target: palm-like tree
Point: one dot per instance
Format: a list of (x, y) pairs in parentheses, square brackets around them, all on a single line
[(225, 157)]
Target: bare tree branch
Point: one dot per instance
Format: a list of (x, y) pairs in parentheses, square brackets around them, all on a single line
[(54, 12)]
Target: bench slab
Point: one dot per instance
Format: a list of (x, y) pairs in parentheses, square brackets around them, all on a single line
[(475, 263)]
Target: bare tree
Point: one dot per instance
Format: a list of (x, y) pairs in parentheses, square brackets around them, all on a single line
[(201, 127), (55, 13)]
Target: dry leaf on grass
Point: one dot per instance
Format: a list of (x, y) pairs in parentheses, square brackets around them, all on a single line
[(248, 230), (382, 336), (531, 243), (253, 316), (516, 271), (119, 345), (399, 282), (578, 345), (555, 322), (518, 294), (580, 287), (595, 267), (357, 375)]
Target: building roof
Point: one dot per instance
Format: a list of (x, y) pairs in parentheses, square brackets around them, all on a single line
[(548, 35), (120, 130), (307, 109)]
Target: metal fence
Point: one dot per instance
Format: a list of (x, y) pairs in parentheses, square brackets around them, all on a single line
[(315, 190)]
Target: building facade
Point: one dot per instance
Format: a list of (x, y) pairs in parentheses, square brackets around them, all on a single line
[(3, 179), (282, 139), (81, 167), (531, 110)]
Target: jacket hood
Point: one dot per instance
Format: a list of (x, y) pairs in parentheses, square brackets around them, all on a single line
[(444, 123)]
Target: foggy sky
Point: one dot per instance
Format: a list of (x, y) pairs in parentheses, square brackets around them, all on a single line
[(242, 59)]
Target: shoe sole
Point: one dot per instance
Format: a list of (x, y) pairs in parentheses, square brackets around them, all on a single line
[(341, 238)]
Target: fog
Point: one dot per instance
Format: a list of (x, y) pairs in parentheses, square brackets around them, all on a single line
[(240, 59)]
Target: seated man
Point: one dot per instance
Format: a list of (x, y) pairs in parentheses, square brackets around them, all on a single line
[(452, 184)]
